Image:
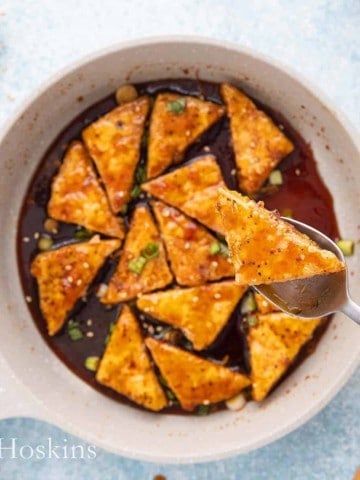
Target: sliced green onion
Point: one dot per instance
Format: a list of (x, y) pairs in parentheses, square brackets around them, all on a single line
[(170, 395), (252, 320), (83, 234), (136, 265), (215, 248), (224, 250), (124, 209), (150, 251), (248, 305), (203, 410), (45, 243), (178, 106), (91, 363), (346, 246), (135, 192), (275, 178), (74, 331), (140, 175)]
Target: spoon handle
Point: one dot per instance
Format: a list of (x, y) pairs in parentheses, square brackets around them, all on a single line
[(352, 310)]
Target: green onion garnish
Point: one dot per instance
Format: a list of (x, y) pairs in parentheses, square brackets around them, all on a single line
[(252, 320), (124, 209), (275, 178), (83, 234), (224, 251), (136, 265), (91, 363), (203, 410), (140, 175), (178, 106), (346, 246), (74, 331), (248, 305), (215, 248), (135, 192), (150, 251), (45, 243)]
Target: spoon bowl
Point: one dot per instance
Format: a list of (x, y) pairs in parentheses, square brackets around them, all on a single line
[(316, 296)]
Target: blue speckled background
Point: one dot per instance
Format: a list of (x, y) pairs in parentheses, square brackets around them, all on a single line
[(319, 38)]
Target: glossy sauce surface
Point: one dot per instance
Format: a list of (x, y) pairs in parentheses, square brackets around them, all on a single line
[(302, 191)]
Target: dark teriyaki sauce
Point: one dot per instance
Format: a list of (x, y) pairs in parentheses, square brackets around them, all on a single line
[(303, 192)]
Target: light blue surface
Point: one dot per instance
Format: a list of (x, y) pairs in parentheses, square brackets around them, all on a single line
[(319, 38)]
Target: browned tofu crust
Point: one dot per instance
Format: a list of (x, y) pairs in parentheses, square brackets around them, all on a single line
[(126, 284), (274, 344), (126, 368), (199, 312), (194, 380), (172, 131), (77, 197), (64, 275), (258, 144), (193, 189), (114, 143), (188, 246), (266, 249)]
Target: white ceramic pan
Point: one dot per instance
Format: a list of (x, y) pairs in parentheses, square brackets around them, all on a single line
[(35, 383)]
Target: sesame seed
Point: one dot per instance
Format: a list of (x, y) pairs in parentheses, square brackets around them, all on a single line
[(151, 329), (159, 328), (233, 172), (68, 267), (214, 264), (206, 402), (188, 133), (187, 245), (78, 282), (206, 149), (90, 334), (89, 322), (217, 295), (86, 265), (28, 299), (26, 239), (195, 299), (36, 235), (297, 172), (281, 126), (70, 279)]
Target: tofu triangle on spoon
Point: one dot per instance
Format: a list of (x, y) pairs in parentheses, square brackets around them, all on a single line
[(77, 197), (264, 248), (176, 122)]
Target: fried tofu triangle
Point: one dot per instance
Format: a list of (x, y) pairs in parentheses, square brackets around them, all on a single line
[(258, 144), (132, 276), (274, 344), (64, 275), (266, 249), (200, 312), (193, 189), (194, 380), (114, 143), (189, 247), (176, 122), (77, 197), (125, 366)]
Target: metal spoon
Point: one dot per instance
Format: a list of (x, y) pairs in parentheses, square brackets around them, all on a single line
[(317, 296)]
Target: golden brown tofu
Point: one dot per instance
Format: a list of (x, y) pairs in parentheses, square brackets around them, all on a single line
[(263, 305), (126, 368), (193, 189), (176, 122), (189, 248), (132, 276), (114, 143), (194, 380), (269, 359), (199, 312), (274, 344), (266, 249), (64, 275), (259, 145), (77, 197), (293, 332)]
